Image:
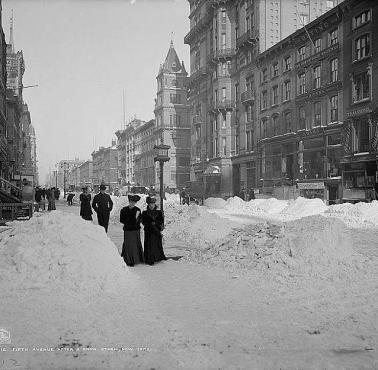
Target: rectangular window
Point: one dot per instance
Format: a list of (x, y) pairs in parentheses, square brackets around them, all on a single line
[(223, 40), (361, 87), (224, 148), (287, 90), (317, 114), (275, 70), (317, 77), (264, 77), (361, 19), (288, 63), (275, 95), (302, 118), (288, 122), (224, 121), (318, 45), (215, 148), (302, 83), (224, 69), (333, 37), (249, 140), (302, 53), (263, 128), (362, 46), (264, 99), (275, 124), (223, 93), (223, 11), (333, 101), (237, 92), (334, 69)]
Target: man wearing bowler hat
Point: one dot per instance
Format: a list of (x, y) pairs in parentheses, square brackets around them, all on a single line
[(102, 204)]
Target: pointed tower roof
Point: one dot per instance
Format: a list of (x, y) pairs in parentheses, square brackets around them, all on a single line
[(172, 62)]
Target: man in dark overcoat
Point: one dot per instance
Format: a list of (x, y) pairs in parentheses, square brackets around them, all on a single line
[(103, 205)]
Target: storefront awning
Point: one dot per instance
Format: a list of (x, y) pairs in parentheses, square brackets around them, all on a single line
[(212, 171)]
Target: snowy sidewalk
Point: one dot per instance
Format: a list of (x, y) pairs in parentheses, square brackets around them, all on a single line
[(179, 315)]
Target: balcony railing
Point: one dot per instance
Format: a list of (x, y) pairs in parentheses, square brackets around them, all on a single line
[(197, 28), (247, 38), (225, 104), (247, 96), (224, 53), (197, 75)]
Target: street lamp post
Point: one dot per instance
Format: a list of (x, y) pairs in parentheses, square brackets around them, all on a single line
[(161, 152)]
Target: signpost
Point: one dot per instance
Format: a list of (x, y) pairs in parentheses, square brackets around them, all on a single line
[(161, 152)]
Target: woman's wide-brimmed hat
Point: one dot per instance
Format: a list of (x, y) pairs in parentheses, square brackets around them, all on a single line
[(133, 198), (150, 200)]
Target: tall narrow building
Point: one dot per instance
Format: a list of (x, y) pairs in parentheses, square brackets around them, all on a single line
[(3, 84), (172, 126)]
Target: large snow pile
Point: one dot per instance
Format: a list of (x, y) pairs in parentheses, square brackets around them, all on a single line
[(62, 250), (215, 202), (194, 225), (314, 246), (302, 207), (355, 215)]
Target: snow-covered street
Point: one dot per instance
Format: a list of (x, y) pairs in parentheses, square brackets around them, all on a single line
[(264, 284)]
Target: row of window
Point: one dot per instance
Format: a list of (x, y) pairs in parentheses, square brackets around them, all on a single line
[(278, 125)]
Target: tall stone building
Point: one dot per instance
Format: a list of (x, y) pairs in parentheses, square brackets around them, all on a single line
[(28, 155), (172, 119), (15, 68), (3, 123), (225, 38)]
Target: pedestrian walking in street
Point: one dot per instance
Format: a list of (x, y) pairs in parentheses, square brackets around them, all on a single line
[(102, 204), (153, 222), (251, 194), (70, 197), (85, 205), (130, 216), (37, 198), (50, 193)]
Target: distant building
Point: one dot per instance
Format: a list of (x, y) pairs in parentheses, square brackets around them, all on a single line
[(126, 152), (172, 119), (64, 172), (86, 174), (144, 169), (105, 166)]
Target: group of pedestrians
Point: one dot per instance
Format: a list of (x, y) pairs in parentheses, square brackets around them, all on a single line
[(132, 218), (49, 194), (153, 221)]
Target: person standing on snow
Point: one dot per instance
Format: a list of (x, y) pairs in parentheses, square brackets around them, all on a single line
[(102, 204), (130, 216), (153, 222), (85, 205)]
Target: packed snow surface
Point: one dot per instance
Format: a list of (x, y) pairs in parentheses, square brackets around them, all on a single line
[(59, 250)]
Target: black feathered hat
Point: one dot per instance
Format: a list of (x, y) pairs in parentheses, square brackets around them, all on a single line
[(102, 187), (150, 200), (133, 198)]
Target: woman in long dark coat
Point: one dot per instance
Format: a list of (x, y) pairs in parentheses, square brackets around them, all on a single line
[(153, 221), (130, 216), (85, 205)]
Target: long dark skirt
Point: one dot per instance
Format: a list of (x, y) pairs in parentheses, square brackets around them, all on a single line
[(132, 252), (153, 248)]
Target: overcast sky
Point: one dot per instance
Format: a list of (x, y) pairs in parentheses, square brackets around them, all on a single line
[(82, 54)]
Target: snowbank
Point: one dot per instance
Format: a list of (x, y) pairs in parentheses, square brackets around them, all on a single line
[(62, 250), (302, 207), (314, 246), (358, 215)]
